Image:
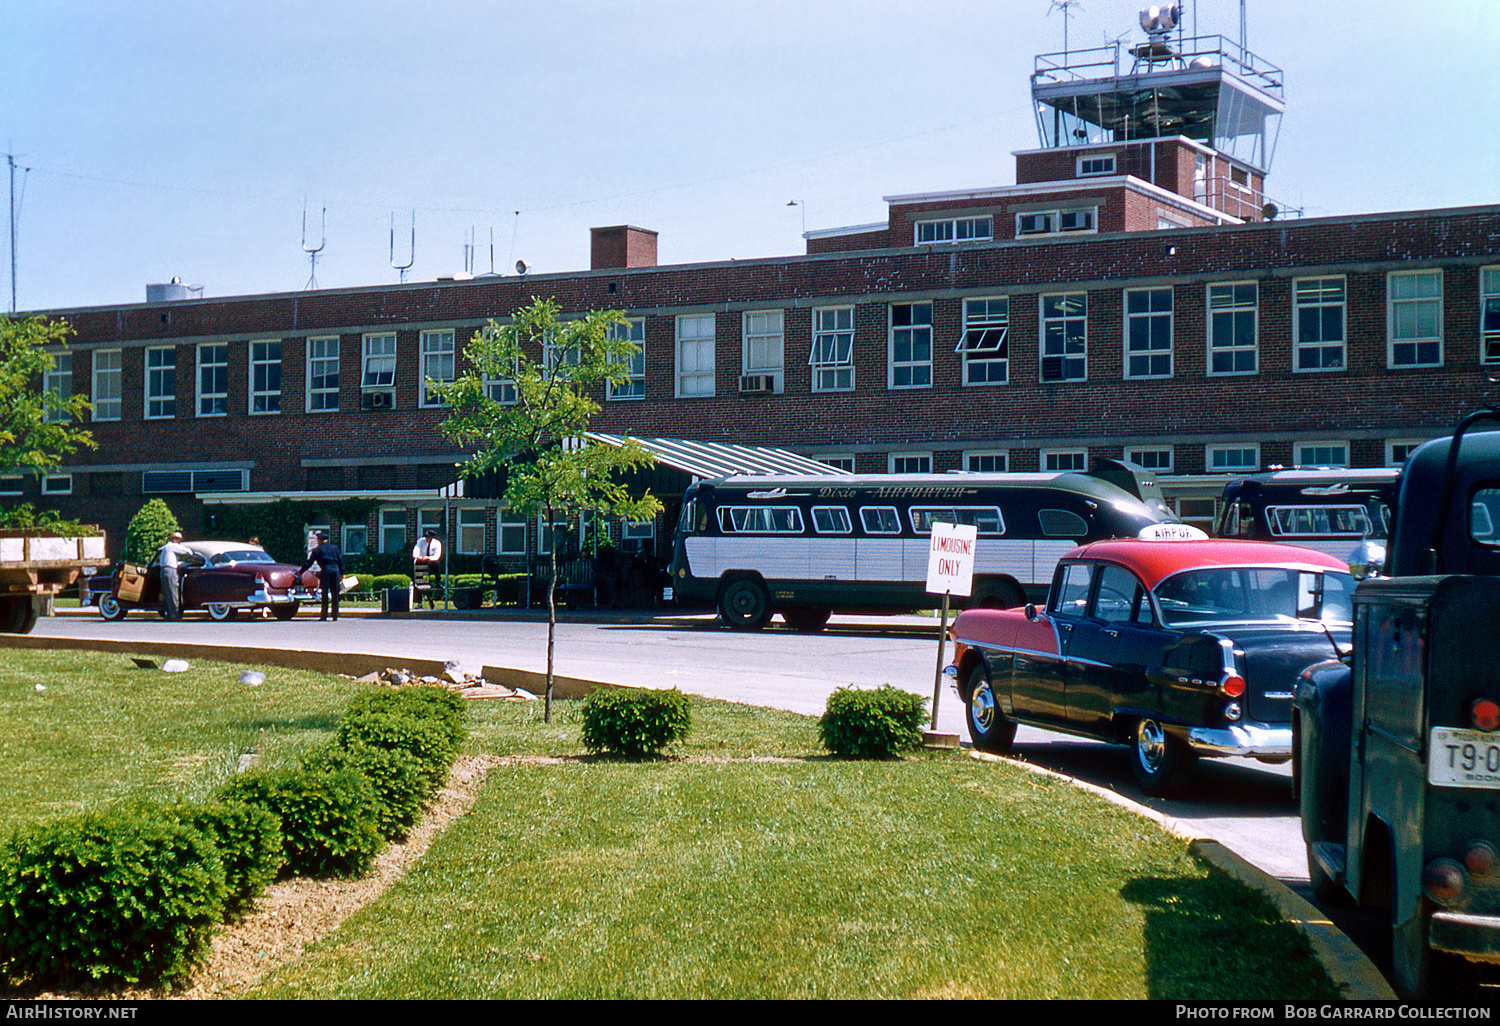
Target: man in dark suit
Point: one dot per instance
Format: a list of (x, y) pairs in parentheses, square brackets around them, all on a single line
[(330, 571)]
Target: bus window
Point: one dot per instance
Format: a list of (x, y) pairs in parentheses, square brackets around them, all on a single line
[(831, 520), (1351, 521), (761, 519), (1062, 523), (880, 519), (685, 521), (1483, 514), (986, 518)]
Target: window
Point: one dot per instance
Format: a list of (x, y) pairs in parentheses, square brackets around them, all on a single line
[(986, 352), (1319, 309), (512, 531), (1396, 452), (1056, 461), (911, 462), (265, 377), (695, 355), (761, 519), (393, 530), (832, 520), (832, 358), (1065, 337), (11, 484), (963, 229), (430, 520), (378, 377), (356, 539), (1415, 318), (57, 484), (161, 383), (911, 345), (763, 347), (1148, 333), (1051, 222), (638, 535), (845, 463), (634, 332), (987, 462), (471, 531), (986, 518), (1322, 454), (106, 384), (437, 365), (880, 519), (1231, 328), (1159, 460), (57, 387), (1101, 164), (168, 482), (1232, 459), (323, 374), (1489, 315), (213, 380)]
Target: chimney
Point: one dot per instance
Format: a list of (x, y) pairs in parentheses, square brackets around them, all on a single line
[(621, 245)]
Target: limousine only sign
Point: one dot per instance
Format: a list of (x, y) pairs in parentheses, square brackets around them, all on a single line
[(950, 559)]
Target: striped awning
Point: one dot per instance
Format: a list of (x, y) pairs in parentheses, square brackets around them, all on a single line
[(723, 459)]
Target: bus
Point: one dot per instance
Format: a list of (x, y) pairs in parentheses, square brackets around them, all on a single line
[(805, 547), (1331, 510)]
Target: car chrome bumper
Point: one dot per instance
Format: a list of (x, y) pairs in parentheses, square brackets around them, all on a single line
[(1242, 739), (266, 598)]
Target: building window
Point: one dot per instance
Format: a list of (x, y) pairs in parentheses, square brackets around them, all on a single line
[(1322, 454), (1231, 328), (1415, 317), (1319, 312), (1232, 459), (217, 479), (984, 343), (1148, 333), (764, 345), (430, 520), (1052, 222), (106, 384), (1157, 459), (1065, 337), (437, 365), (695, 355), (57, 388), (378, 378), (1489, 315), (265, 377), (512, 531), (963, 229), (565, 533), (11, 484), (322, 374), (161, 383), (1064, 460), (634, 332), (500, 390), (1396, 452), (1099, 164), (911, 462), (213, 380), (356, 539), (471, 531), (393, 530), (57, 484), (832, 358), (845, 463), (911, 345), (987, 462)]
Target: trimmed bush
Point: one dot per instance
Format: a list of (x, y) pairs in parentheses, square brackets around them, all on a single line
[(634, 722), (397, 778), (328, 819), (124, 897), (426, 722), (249, 841), (872, 724), (377, 584)]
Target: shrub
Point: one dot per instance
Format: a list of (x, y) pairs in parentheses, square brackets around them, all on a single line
[(148, 531), (397, 778), (634, 722), (377, 584), (249, 841), (128, 896), (328, 818), (873, 724), (423, 738)]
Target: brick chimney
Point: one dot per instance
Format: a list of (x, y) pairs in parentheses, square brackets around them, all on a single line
[(621, 245)]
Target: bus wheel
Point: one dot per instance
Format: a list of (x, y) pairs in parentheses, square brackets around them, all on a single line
[(744, 604), (805, 619)]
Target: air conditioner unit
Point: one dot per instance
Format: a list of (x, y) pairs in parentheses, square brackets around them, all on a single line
[(378, 400), (757, 384)]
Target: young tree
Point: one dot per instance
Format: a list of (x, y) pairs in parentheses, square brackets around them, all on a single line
[(37, 428), (548, 367), (148, 531)]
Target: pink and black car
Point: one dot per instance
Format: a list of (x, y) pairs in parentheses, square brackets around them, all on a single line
[(220, 577), (1177, 649)]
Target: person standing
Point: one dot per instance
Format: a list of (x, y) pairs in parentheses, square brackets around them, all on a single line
[(171, 576), (426, 560), (330, 571)]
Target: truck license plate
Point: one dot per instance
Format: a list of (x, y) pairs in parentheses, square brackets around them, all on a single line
[(1463, 758)]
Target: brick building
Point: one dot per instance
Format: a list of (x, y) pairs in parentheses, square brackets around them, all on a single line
[(1134, 295)]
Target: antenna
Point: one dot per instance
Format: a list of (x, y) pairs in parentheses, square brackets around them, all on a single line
[(1066, 6), (491, 273), (312, 254), (412, 255), (469, 253)]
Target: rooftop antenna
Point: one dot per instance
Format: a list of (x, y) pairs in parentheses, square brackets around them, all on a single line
[(10, 160), (491, 273), (515, 227), (1066, 6), (469, 253), (312, 254), (411, 257)]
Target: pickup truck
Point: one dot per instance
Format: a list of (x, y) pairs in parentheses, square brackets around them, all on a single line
[(1396, 745), (36, 565)]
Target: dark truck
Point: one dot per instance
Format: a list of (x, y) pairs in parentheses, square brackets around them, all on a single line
[(1396, 748)]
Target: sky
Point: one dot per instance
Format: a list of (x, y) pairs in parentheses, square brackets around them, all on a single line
[(189, 139)]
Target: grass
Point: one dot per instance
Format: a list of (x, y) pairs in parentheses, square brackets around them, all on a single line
[(745, 865)]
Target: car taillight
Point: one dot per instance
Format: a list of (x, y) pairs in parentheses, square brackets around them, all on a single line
[(260, 580), (1485, 714), (1232, 686), (1444, 881)]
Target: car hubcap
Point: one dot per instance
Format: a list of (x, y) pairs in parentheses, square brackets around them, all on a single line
[(1150, 745), (982, 708)]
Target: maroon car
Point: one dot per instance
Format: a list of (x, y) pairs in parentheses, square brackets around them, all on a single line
[(220, 577)]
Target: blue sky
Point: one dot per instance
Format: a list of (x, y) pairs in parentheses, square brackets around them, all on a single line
[(176, 138)]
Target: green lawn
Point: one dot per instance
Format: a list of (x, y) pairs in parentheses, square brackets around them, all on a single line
[(748, 865)]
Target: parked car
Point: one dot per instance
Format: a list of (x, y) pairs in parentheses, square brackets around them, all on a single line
[(221, 577), (1177, 649)]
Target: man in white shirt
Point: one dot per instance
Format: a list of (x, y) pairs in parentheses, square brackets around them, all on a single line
[(171, 578), (426, 558)]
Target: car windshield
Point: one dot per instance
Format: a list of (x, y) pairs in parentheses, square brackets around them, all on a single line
[(241, 556), (1283, 594)]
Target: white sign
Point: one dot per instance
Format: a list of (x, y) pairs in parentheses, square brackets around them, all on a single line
[(950, 559)]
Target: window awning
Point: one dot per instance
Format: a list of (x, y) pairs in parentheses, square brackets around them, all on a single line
[(723, 459)]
